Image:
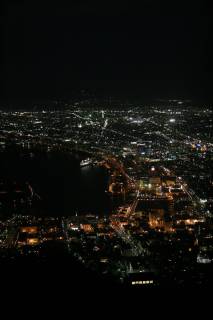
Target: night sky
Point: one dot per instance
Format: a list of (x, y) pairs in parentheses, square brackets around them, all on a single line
[(158, 49)]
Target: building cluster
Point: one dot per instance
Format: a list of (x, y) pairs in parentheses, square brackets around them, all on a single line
[(160, 232)]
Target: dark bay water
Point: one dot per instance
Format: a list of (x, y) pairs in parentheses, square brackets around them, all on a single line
[(64, 187), (92, 186)]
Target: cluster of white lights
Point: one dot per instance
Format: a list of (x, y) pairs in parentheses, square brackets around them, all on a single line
[(142, 282)]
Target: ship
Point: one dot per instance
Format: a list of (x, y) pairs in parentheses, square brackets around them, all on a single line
[(86, 162)]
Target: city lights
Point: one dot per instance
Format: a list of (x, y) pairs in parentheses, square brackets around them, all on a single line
[(172, 120), (148, 196)]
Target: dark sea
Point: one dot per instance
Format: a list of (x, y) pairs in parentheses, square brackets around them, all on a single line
[(61, 186)]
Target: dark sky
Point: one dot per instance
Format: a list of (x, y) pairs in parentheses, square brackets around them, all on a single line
[(158, 49)]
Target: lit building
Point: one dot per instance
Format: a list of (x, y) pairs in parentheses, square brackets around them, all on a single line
[(142, 279), (29, 229), (155, 180), (33, 241), (86, 227)]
